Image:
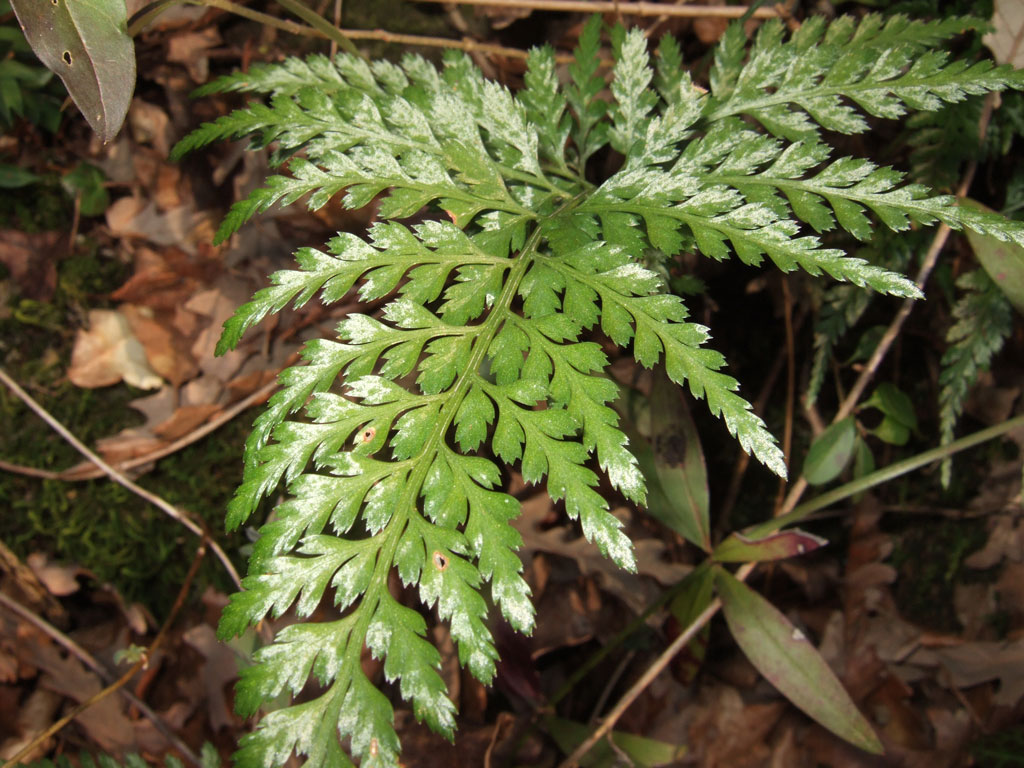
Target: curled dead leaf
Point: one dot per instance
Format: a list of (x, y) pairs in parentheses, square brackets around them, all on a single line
[(108, 352)]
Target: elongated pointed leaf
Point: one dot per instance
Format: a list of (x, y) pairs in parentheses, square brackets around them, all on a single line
[(644, 752), (737, 548), (1004, 262), (830, 452), (670, 457), (787, 659), (86, 43)]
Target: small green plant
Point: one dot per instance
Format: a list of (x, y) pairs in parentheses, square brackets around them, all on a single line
[(484, 355)]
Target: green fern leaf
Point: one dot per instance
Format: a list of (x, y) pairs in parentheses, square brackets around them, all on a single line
[(793, 87), (391, 439), (984, 320)]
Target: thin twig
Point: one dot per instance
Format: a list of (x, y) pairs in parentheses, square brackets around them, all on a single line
[(87, 659), (649, 675), (118, 685), (607, 648), (787, 432), (21, 469), (117, 477), (931, 258), (76, 473), (337, 23), (469, 46), (322, 25), (625, 8), (144, 17), (609, 686), (743, 458), (89, 471)]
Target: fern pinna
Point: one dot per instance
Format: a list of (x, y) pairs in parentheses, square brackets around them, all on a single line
[(482, 354)]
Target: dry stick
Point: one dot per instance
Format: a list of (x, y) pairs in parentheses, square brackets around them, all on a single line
[(141, 19), (21, 469), (197, 434), (649, 675), (787, 433), (469, 46), (86, 658), (625, 8), (117, 477), (337, 23), (76, 473), (931, 257)]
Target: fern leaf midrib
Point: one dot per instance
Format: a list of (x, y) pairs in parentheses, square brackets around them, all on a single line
[(739, 106), (364, 136), (689, 219), (406, 505), (945, 213)]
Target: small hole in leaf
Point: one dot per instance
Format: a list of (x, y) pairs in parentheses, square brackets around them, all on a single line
[(367, 435), (440, 561), (67, 57), (374, 748)]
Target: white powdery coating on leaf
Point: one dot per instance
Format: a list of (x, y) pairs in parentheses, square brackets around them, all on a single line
[(361, 329), (346, 465), (406, 313), (602, 528), (632, 272), (515, 604), (377, 638), (759, 441), (351, 248), (374, 390), (626, 477)]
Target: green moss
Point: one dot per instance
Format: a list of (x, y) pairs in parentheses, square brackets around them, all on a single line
[(118, 537), (39, 208), (1000, 750), (98, 524)]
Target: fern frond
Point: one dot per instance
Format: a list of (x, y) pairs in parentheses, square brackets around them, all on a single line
[(589, 131), (390, 439), (794, 86), (286, 78), (984, 320)]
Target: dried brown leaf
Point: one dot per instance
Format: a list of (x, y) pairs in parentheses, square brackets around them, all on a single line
[(184, 227), (970, 664), (1005, 540), (34, 716), (632, 589), (60, 580), (166, 349), (150, 125), (1007, 28), (191, 49), (185, 419), (107, 352), (220, 669)]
